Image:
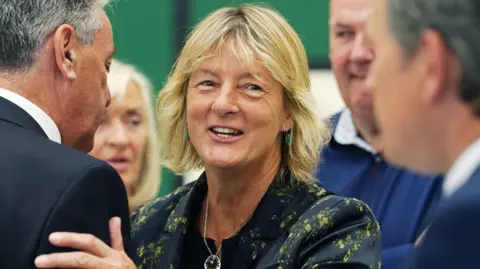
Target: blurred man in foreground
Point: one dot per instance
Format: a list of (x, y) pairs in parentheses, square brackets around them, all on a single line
[(353, 165), (427, 98)]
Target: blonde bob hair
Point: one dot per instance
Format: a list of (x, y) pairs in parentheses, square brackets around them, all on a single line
[(120, 77), (252, 33)]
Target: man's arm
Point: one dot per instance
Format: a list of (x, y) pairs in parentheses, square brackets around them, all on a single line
[(95, 195)]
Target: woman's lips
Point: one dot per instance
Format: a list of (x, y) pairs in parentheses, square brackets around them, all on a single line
[(120, 165), (224, 139)]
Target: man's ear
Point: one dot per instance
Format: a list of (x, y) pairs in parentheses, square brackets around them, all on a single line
[(65, 44), (437, 60)]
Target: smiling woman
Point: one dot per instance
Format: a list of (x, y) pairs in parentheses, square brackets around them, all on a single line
[(240, 97), (233, 116), (126, 138)]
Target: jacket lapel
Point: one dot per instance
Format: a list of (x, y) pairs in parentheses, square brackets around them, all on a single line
[(175, 229)]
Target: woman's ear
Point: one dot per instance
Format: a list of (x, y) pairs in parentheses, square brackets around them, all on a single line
[(288, 124)]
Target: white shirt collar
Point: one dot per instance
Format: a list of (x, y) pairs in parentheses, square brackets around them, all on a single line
[(462, 169), (45, 122), (346, 134)]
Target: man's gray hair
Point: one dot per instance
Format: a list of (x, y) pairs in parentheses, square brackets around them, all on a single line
[(458, 21), (25, 25)]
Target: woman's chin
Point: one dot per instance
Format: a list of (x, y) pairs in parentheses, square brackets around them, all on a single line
[(221, 157), (221, 163)]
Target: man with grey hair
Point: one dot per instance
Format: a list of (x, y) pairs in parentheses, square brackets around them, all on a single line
[(427, 97), (54, 59)]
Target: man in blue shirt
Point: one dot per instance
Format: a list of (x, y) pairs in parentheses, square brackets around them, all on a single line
[(352, 165)]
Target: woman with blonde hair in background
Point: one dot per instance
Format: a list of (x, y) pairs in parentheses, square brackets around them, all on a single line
[(127, 137), (238, 103)]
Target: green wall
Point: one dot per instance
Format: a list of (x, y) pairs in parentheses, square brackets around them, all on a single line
[(307, 17), (149, 33), (142, 31)]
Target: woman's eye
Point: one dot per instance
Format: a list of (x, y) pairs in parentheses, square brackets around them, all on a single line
[(254, 90), (207, 83), (133, 120), (344, 34), (134, 123), (254, 87)]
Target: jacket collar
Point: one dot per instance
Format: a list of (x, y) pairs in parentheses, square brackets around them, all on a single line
[(12, 113)]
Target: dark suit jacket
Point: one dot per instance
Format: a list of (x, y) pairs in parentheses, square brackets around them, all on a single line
[(294, 226), (452, 240), (47, 187)]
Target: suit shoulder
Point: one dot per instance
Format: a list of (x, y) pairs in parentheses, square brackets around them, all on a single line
[(156, 212), (71, 157), (56, 165), (72, 164), (37, 149)]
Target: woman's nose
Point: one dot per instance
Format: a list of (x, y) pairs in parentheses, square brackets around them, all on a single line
[(118, 134), (226, 101)]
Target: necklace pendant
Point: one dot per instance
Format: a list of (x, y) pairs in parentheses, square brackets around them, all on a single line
[(212, 262)]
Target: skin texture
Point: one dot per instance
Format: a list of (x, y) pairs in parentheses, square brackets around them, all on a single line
[(85, 69)]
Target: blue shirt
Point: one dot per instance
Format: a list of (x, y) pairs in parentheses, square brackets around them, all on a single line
[(402, 201)]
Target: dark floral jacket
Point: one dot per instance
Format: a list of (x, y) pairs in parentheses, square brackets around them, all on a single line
[(294, 226)]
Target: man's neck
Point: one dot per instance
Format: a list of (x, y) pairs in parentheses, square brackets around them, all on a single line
[(34, 99), (39, 95), (368, 131), (10, 82)]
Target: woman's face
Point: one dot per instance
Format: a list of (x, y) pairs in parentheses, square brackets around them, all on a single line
[(233, 118), (121, 137)]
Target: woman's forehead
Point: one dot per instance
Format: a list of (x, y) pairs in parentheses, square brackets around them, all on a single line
[(227, 61)]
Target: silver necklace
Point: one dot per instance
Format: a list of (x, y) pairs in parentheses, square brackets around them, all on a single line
[(213, 261)]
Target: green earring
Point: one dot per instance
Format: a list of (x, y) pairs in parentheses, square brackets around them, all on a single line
[(288, 138), (187, 136)]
